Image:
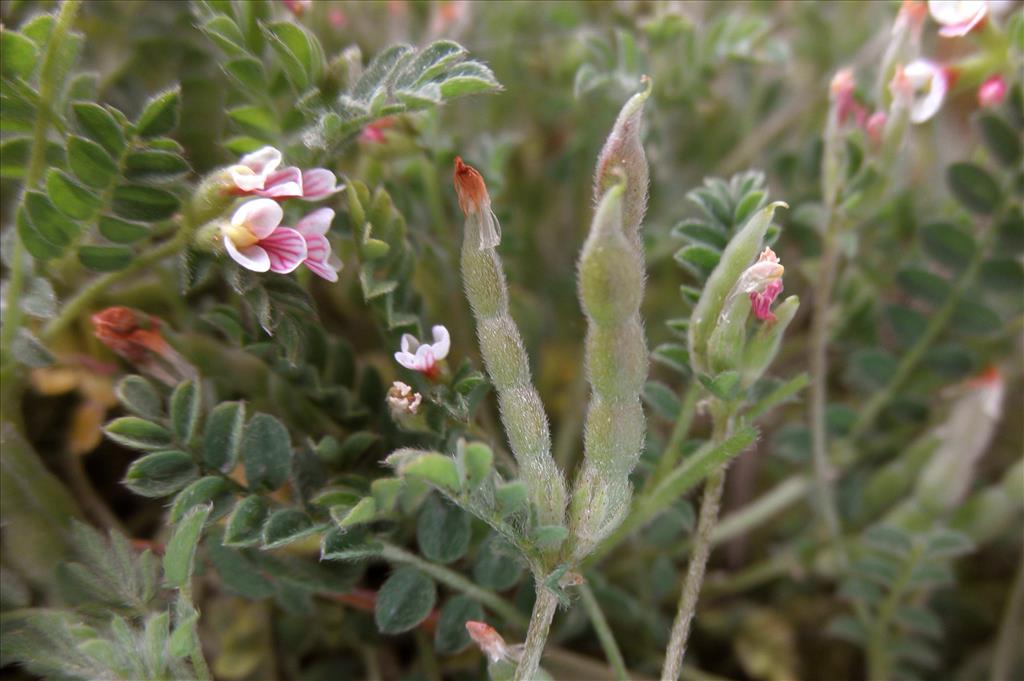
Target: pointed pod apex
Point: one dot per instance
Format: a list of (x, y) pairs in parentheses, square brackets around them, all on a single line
[(470, 187)]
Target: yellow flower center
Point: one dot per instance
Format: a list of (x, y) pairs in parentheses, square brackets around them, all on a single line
[(239, 234)]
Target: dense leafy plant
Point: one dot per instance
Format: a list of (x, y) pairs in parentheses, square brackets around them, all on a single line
[(241, 299)]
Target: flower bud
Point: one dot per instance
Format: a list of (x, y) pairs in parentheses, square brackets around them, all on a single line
[(136, 337), (402, 401), (992, 92)]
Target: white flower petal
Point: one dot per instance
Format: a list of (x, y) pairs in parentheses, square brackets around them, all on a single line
[(251, 257), (406, 360), (262, 161), (442, 342), (260, 216), (409, 343)]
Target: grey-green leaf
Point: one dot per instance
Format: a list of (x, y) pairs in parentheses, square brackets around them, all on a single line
[(245, 526), (267, 452), (160, 114), (222, 437), (186, 403), (160, 474), (404, 600), (442, 531), (137, 433), (137, 395), (451, 636), (179, 558), (100, 126)]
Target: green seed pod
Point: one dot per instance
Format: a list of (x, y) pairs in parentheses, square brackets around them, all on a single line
[(611, 279), (623, 155), (522, 413), (738, 254)]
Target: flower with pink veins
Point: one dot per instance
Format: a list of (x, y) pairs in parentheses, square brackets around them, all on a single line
[(319, 258), (253, 170), (255, 239), (423, 357), (318, 183), (957, 17), (992, 92), (929, 83), (762, 281)]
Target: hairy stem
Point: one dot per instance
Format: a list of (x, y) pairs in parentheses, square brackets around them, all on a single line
[(878, 656), (540, 622), (456, 581), (823, 492), (50, 80), (674, 449), (709, 505), (604, 632), (99, 286)]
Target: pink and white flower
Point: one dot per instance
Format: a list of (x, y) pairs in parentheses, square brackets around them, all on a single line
[(258, 174), (992, 92), (253, 170), (255, 239), (319, 257), (929, 82), (957, 17), (762, 281), (423, 357)]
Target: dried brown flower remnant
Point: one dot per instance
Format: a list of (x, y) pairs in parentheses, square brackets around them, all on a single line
[(476, 204), (136, 337)]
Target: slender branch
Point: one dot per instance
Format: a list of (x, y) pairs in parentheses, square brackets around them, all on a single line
[(694, 576), (604, 632), (878, 656), (1008, 641), (97, 287), (936, 324), (540, 622), (823, 474), (674, 449), (456, 581), (706, 521), (49, 87)]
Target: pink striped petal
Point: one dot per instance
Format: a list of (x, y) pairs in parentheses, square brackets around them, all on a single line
[(282, 184), (251, 257), (318, 248), (317, 222), (259, 216), (286, 248), (322, 270), (319, 183)]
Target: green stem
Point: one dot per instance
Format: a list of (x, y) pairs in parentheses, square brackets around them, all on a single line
[(878, 658), (823, 474), (456, 581), (97, 287), (709, 505), (537, 635), (199, 665), (604, 632), (1008, 642), (697, 467), (674, 449), (49, 86), (938, 322)]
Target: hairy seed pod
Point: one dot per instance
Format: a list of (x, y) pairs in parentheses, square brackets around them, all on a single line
[(507, 364), (611, 280)]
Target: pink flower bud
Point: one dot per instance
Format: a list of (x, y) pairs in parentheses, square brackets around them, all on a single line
[(992, 92), (875, 127), (488, 639)]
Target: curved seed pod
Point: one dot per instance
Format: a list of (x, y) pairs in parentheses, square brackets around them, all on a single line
[(738, 254), (623, 156), (611, 283), (522, 413)]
